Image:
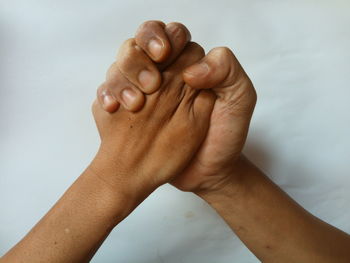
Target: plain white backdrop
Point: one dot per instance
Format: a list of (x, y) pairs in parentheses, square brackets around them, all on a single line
[(54, 54)]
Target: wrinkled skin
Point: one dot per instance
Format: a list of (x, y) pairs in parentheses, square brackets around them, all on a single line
[(220, 71), (152, 145)]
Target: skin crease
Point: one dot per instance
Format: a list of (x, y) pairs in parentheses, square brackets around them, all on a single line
[(187, 126), (139, 151), (174, 115), (175, 37), (213, 165), (272, 225)]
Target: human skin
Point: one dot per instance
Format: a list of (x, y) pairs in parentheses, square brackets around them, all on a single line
[(218, 71), (268, 221), (139, 152)]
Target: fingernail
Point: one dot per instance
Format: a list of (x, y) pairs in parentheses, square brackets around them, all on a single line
[(128, 96), (109, 103), (155, 48), (200, 69), (146, 79), (108, 100)]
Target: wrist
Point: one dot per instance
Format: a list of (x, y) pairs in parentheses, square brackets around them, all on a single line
[(237, 181), (124, 187)]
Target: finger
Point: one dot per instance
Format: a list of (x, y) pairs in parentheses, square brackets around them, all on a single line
[(151, 37), (124, 91), (108, 102), (221, 71), (137, 67), (203, 106), (95, 105), (190, 55), (178, 36)]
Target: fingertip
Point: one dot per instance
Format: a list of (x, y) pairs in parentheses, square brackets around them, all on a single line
[(138, 104), (132, 99), (149, 80), (159, 49), (152, 39), (110, 105), (156, 48), (195, 75), (106, 100)]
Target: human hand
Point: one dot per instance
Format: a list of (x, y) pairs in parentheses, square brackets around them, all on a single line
[(217, 159), (144, 149), (158, 45)]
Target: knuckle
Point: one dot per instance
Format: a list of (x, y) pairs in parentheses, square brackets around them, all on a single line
[(224, 51), (129, 43), (127, 55), (225, 56), (177, 25), (94, 107), (149, 25), (254, 95), (248, 86), (111, 71), (179, 31), (228, 61), (245, 96), (100, 91)]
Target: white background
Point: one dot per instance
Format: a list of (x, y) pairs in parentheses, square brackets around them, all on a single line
[(53, 55)]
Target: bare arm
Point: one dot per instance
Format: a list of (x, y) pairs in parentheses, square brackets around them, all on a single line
[(76, 226), (138, 153), (271, 224)]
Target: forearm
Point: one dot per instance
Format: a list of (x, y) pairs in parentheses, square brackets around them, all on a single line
[(77, 225), (273, 226)]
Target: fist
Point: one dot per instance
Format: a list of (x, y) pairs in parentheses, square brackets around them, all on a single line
[(149, 147), (217, 160)]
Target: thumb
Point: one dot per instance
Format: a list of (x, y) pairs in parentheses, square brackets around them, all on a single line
[(220, 70)]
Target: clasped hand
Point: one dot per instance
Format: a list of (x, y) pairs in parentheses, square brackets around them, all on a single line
[(168, 113)]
